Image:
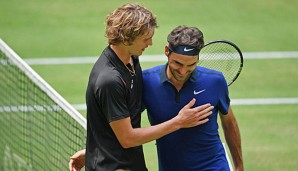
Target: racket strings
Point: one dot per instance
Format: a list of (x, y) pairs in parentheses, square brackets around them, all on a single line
[(222, 57)]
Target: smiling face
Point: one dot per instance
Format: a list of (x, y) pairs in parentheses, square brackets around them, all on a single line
[(182, 51), (180, 67), (139, 45)]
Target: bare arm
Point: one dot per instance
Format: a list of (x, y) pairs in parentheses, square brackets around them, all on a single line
[(129, 137), (187, 117), (232, 136)]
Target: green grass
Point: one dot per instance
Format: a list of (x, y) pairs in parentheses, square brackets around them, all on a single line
[(267, 78), (268, 134), (75, 28)]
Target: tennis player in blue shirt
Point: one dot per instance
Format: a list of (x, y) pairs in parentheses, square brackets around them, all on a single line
[(167, 88)]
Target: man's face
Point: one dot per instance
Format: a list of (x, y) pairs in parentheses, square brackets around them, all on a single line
[(141, 43), (180, 66)]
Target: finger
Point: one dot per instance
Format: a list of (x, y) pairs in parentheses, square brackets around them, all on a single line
[(207, 110), (190, 104), (202, 107), (74, 156), (197, 122), (70, 165), (205, 115), (202, 121)]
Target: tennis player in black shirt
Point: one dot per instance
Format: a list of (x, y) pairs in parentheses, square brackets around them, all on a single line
[(114, 97)]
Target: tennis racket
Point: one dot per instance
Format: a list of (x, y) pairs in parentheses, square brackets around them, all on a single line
[(223, 56)]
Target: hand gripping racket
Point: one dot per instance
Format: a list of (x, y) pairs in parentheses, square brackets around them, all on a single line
[(223, 56)]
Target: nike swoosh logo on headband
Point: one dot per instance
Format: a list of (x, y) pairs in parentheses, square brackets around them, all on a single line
[(187, 50)]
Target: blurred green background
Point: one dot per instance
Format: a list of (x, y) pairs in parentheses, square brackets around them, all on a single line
[(73, 28), (57, 28)]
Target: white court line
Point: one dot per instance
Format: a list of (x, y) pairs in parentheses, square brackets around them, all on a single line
[(234, 102), (264, 101), (152, 58), (238, 102)]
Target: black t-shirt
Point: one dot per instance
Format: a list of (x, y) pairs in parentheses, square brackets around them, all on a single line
[(112, 94)]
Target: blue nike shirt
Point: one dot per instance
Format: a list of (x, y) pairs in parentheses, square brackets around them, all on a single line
[(197, 148)]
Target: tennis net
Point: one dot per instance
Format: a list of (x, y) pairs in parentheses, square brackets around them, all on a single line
[(39, 130)]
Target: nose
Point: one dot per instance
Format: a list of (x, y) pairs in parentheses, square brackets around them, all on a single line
[(150, 42), (182, 71)]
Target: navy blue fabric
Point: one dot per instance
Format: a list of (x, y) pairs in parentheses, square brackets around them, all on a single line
[(197, 148)]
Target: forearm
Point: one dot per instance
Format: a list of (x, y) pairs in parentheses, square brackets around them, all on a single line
[(130, 137), (233, 138), (143, 135)]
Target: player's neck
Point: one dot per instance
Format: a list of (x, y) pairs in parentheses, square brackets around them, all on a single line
[(122, 53), (178, 84)]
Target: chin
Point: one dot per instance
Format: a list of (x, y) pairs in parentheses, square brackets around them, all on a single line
[(139, 54)]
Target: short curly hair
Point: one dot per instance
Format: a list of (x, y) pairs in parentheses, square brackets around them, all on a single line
[(184, 35), (127, 22)]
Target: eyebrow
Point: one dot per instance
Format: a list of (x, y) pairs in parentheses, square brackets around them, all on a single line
[(193, 64), (148, 38), (148, 33), (186, 65)]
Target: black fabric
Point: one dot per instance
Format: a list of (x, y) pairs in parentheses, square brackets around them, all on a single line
[(112, 94)]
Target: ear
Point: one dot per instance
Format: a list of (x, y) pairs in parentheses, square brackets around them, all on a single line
[(167, 51)]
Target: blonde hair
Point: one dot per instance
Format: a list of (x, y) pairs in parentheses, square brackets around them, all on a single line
[(127, 22)]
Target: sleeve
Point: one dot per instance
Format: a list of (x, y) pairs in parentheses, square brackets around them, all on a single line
[(224, 99), (111, 98)]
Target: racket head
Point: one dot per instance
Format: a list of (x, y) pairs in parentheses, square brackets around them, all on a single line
[(223, 56)]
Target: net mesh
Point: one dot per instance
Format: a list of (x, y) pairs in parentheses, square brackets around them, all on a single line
[(36, 132)]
